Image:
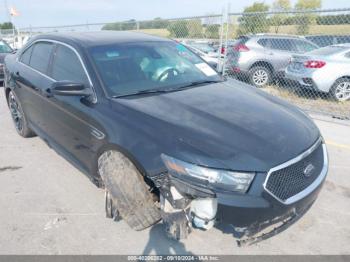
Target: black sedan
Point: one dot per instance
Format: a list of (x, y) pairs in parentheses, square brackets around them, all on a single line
[(165, 135)]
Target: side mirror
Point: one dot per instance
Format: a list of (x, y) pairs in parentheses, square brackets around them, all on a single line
[(67, 88)]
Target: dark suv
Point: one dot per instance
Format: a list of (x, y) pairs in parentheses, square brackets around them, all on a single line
[(164, 134), (262, 57)]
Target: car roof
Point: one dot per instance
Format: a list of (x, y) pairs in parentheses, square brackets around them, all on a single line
[(347, 45), (99, 38), (275, 36), (327, 35)]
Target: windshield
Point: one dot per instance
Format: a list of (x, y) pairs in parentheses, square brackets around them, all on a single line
[(137, 67), (328, 50), (5, 48)]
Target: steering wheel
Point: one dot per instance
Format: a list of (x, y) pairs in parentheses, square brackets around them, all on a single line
[(167, 73)]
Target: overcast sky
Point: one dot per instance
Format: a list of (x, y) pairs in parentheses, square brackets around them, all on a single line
[(63, 12)]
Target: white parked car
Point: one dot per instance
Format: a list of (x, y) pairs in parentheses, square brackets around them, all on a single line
[(325, 69)]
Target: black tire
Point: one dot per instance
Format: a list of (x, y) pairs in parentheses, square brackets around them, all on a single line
[(336, 92), (18, 116), (260, 76), (128, 190)]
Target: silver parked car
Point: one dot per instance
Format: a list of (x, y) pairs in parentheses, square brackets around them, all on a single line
[(262, 57), (212, 58), (326, 69)]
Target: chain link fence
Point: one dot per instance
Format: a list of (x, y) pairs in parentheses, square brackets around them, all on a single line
[(300, 56)]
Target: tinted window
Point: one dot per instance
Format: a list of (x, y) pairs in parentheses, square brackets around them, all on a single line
[(281, 44), (303, 46), (263, 42), (41, 56), (322, 41), (343, 39), (66, 66), (328, 50), (25, 58), (242, 40)]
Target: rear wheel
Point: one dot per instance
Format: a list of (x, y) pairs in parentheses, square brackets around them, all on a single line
[(128, 191), (341, 89), (260, 76), (18, 116)]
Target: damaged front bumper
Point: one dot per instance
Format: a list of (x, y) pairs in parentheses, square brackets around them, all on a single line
[(273, 202), (251, 217)]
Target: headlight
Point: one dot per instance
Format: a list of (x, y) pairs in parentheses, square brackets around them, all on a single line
[(236, 181)]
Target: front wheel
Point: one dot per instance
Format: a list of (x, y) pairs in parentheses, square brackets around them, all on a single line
[(128, 191), (340, 91), (18, 116), (260, 76)]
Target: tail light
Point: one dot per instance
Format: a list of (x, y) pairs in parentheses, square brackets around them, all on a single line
[(241, 48), (314, 64), (223, 50)]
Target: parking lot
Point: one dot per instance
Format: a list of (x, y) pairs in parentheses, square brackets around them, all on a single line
[(49, 207)]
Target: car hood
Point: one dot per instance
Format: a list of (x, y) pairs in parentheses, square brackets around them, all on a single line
[(226, 125)]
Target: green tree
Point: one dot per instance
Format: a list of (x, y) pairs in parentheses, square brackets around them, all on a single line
[(120, 26), (279, 19), (195, 28), (212, 31), (254, 23), (156, 23), (6, 25), (304, 20), (178, 29), (159, 23)]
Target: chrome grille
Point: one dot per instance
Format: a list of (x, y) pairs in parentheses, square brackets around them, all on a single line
[(296, 176)]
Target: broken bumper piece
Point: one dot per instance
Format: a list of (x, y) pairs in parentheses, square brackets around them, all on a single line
[(250, 217)]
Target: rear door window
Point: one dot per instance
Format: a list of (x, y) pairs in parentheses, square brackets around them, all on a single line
[(25, 58), (67, 66), (281, 44), (40, 56)]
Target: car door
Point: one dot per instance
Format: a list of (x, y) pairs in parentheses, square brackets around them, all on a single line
[(70, 123), (31, 73), (279, 52)]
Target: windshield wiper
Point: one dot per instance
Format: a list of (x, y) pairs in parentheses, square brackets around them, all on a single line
[(197, 83), (153, 91), (150, 91)]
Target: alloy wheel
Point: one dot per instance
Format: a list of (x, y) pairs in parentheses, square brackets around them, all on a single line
[(16, 113), (342, 91), (260, 77)]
